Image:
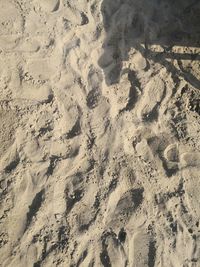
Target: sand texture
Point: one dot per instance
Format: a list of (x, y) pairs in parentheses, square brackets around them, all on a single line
[(99, 133)]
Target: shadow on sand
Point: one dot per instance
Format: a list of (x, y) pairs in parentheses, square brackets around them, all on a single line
[(140, 24)]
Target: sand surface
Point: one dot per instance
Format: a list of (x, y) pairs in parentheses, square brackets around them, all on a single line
[(99, 133)]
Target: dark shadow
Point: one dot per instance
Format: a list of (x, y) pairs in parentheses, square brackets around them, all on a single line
[(143, 23)]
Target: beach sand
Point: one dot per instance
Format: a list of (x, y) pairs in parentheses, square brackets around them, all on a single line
[(99, 133)]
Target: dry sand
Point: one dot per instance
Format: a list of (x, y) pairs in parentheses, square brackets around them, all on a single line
[(99, 133)]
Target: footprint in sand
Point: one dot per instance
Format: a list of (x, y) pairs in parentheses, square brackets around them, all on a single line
[(11, 25)]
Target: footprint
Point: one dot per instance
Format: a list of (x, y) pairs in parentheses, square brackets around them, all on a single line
[(190, 175), (153, 94), (10, 160), (93, 98), (73, 198), (9, 43), (112, 73), (100, 120), (76, 130), (144, 151), (166, 153), (7, 129), (144, 250), (49, 5), (37, 94), (171, 153), (35, 206), (112, 252), (189, 165), (74, 192), (11, 20), (86, 258), (194, 105), (85, 19), (70, 121), (75, 17), (126, 206), (40, 70), (134, 88), (170, 159), (157, 149), (190, 160), (89, 210)]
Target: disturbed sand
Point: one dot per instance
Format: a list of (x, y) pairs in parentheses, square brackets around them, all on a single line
[(99, 133)]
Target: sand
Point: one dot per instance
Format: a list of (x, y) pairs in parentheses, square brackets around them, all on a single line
[(99, 133)]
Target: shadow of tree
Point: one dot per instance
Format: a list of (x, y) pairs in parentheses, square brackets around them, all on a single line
[(140, 24)]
